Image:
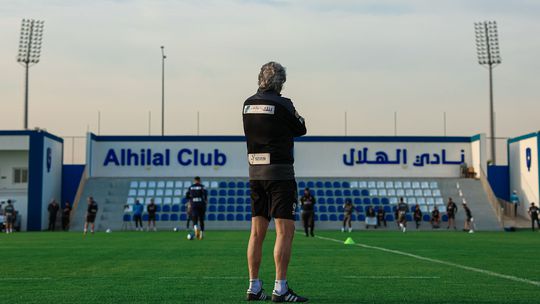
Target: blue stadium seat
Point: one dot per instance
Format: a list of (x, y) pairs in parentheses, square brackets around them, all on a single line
[(426, 217), (385, 201), (212, 201), (221, 217), (327, 184), (324, 217), (357, 201), (212, 208), (409, 218), (231, 192), (166, 208), (126, 218), (165, 217), (320, 193), (239, 208), (221, 208), (353, 217), (445, 218), (356, 192), (184, 201), (231, 185), (145, 217), (240, 185), (296, 217), (239, 217), (336, 184), (364, 192), (213, 192), (230, 201), (345, 184), (319, 184), (340, 208), (174, 217), (329, 193), (331, 208), (211, 217), (230, 217), (389, 218), (240, 192), (248, 217), (302, 185), (333, 217), (347, 192), (175, 208), (338, 193), (222, 201), (330, 201), (183, 208), (183, 217), (240, 200), (248, 201), (247, 185), (222, 184), (222, 192), (316, 217), (387, 209), (248, 208), (322, 209), (340, 201), (359, 208), (361, 217), (310, 185), (321, 201), (366, 201), (375, 201)]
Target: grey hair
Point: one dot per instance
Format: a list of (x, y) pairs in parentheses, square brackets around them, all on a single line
[(272, 77)]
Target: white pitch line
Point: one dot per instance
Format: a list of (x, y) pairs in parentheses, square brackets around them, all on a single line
[(392, 277), (473, 269), (25, 279), (204, 278)]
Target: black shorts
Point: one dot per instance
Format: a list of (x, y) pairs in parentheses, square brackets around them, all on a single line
[(152, 217), (90, 218), (198, 211), (10, 219), (451, 215), (274, 199)]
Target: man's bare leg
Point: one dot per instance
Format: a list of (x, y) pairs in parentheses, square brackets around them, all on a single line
[(259, 226), (283, 246)]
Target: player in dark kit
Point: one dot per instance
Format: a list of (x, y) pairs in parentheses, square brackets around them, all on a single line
[(91, 213), (151, 209), (435, 218), (348, 209), (66, 214), (451, 210), (197, 196), (533, 213), (468, 226), (401, 211), (53, 212), (307, 202), (417, 215), (270, 124), (10, 215)]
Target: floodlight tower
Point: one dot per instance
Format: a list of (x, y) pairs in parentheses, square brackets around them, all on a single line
[(487, 47), (29, 53), (163, 57)]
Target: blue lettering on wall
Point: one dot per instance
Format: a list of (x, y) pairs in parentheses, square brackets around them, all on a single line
[(528, 158), (148, 157), (49, 159), (362, 156)]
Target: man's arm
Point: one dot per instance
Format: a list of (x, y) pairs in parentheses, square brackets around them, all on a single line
[(294, 121)]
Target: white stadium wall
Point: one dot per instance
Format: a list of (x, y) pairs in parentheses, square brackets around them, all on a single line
[(315, 156), (52, 176), (523, 157)]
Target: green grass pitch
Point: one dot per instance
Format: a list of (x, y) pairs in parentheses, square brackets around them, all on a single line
[(164, 267)]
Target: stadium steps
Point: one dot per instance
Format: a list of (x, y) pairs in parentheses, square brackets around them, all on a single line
[(113, 193)]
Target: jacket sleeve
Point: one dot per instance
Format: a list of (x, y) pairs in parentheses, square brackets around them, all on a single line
[(294, 121)]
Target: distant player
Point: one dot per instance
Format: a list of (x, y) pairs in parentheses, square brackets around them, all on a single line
[(151, 209), (402, 209), (53, 212), (348, 209), (417, 216), (435, 218), (91, 213), (197, 196), (9, 216), (371, 218), (138, 210), (451, 210), (533, 213), (307, 203), (66, 215), (468, 226), (381, 217)]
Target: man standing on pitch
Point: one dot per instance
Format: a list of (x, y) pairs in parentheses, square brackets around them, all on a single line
[(91, 213), (270, 124), (197, 196), (307, 202)]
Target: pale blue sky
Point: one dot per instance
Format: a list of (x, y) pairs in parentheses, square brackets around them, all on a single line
[(369, 58)]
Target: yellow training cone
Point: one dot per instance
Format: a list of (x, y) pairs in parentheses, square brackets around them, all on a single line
[(349, 241)]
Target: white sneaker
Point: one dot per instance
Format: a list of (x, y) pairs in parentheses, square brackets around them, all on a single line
[(342, 229), (350, 230), (471, 231), (404, 229)]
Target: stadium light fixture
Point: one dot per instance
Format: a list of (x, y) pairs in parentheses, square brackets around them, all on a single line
[(163, 57), (489, 55), (29, 53)]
